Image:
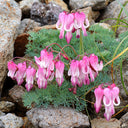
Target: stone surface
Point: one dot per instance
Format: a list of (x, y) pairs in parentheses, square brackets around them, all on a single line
[(95, 4), (10, 15), (104, 25), (27, 25), (20, 43), (60, 3), (45, 27), (112, 11), (25, 6), (2, 113), (27, 123), (46, 14), (103, 123), (16, 94), (11, 121), (91, 15), (124, 121), (123, 96), (57, 118), (6, 106)]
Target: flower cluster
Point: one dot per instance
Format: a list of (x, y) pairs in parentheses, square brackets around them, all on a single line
[(81, 70), (44, 73), (110, 97), (71, 22)]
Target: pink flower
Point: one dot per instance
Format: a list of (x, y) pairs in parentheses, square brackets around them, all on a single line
[(59, 72), (74, 72), (60, 24), (80, 21), (93, 59), (110, 96), (71, 22), (83, 69), (41, 80), (20, 74), (98, 95), (94, 66), (30, 73), (108, 102), (45, 60), (12, 67)]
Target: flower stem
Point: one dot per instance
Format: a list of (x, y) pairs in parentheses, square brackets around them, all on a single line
[(57, 45), (71, 47), (81, 50)]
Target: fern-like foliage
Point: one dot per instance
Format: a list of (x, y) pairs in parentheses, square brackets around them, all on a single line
[(60, 96), (99, 41)]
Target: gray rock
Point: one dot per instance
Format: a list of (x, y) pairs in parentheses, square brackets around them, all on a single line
[(16, 94), (11, 121), (10, 16), (90, 15), (25, 6), (103, 123), (6, 106), (57, 118), (95, 4), (46, 14), (124, 121), (2, 114), (27, 25), (112, 11)]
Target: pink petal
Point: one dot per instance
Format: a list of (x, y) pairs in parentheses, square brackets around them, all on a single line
[(68, 37), (98, 95)]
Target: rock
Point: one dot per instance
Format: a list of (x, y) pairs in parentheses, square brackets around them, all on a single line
[(124, 121), (45, 27), (103, 123), (16, 94), (27, 25), (57, 118), (95, 4), (17, 0), (25, 6), (112, 11), (6, 106), (91, 15), (46, 14), (10, 16), (20, 43), (27, 123), (2, 114), (11, 121), (123, 96), (60, 3), (104, 25)]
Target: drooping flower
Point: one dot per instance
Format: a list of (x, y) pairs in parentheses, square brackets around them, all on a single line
[(71, 22), (60, 24), (94, 66), (93, 59), (74, 72), (110, 96), (12, 67), (80, 21), (59, 72), (108, 102), (41, 80), (20, 74), (30, 73), (45, 60), (98, 95)]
